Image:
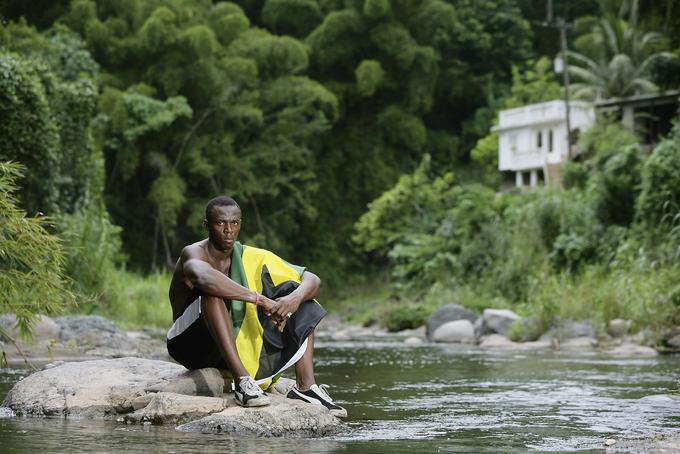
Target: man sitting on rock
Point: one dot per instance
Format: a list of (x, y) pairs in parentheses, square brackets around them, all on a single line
[(245, 310)]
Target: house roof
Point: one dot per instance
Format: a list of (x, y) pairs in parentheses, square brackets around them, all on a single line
[(649, 100)]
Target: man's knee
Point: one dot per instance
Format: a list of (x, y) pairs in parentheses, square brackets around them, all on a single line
[(213, 304)]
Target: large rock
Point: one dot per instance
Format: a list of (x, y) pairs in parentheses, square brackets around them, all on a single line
[(447, 313), (283, 416), (570, 329), (44, 329), (672, 339), (618, 327), (90, 327), (200, 382), (97, 389), (137, 390), (457, 331), (498, 321)]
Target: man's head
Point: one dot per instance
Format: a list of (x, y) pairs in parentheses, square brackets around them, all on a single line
[(223, 222)]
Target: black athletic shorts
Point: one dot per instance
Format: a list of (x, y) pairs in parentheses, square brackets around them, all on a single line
[(190, 343)]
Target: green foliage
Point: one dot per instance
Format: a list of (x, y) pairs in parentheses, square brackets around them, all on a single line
[(404, 208), (137, 302), (292, 17), (613, 160), (376, 9), (604, 140), (28, 131), (92, 249), (370, 76), (616, 56), (422, 224), (574, 175), (617, 186), (536, 84), (409, 316), (659, 203), (485, 155), (32, 279)]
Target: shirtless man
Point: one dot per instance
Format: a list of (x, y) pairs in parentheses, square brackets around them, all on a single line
[(200, 293)]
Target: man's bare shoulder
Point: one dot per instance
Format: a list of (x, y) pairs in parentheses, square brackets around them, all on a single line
[(194, 251)]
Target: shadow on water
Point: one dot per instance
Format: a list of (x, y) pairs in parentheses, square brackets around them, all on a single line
[(426, 398)]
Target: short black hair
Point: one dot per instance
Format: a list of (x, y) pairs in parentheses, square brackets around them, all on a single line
[(219, 201)]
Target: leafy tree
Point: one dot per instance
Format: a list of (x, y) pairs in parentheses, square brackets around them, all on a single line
[(658, 207), (195, 102), (617, 56), (51, 95), (32, 279)]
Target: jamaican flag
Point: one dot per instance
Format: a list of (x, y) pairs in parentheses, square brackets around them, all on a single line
[(264, 351)]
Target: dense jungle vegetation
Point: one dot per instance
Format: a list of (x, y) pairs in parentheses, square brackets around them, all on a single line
[(356, 136)]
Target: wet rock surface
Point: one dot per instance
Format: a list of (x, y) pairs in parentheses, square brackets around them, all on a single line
[(282, 417)]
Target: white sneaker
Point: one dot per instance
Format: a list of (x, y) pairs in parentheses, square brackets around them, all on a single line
[(318, 395), (248, 394)]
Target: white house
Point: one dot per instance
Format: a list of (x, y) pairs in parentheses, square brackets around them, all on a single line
[(533, 139)]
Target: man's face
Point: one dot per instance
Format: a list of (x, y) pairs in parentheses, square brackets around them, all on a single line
[(223, 224)]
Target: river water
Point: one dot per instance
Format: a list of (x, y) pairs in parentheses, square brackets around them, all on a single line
[(429, 398)]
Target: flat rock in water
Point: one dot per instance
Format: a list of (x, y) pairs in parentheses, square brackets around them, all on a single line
[(137, 390), (97, 388), (282, 417)]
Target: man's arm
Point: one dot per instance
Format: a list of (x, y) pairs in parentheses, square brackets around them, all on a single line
[(307, 290), (215, 283)]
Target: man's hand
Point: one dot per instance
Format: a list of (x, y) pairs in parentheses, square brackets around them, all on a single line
[(284, 308), (268, 305)]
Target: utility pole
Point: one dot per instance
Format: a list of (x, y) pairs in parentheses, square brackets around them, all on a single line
[(561, 23)]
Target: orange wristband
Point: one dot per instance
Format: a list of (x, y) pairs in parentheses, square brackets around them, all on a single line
[(257, 298)]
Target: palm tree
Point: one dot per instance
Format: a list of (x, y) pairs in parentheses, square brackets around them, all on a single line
[(620, 56)]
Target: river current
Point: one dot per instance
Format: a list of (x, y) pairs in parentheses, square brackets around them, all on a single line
[(429, 398)]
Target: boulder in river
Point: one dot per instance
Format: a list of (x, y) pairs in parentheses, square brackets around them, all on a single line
[(498, 321), (138, 390), (457, 331), (618, 327), (447, 313)]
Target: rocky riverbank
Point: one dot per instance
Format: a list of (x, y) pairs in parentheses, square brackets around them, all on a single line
[(78, 337)]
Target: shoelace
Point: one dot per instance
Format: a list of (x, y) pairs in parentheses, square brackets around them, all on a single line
[(323, 389), (250, 387)]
